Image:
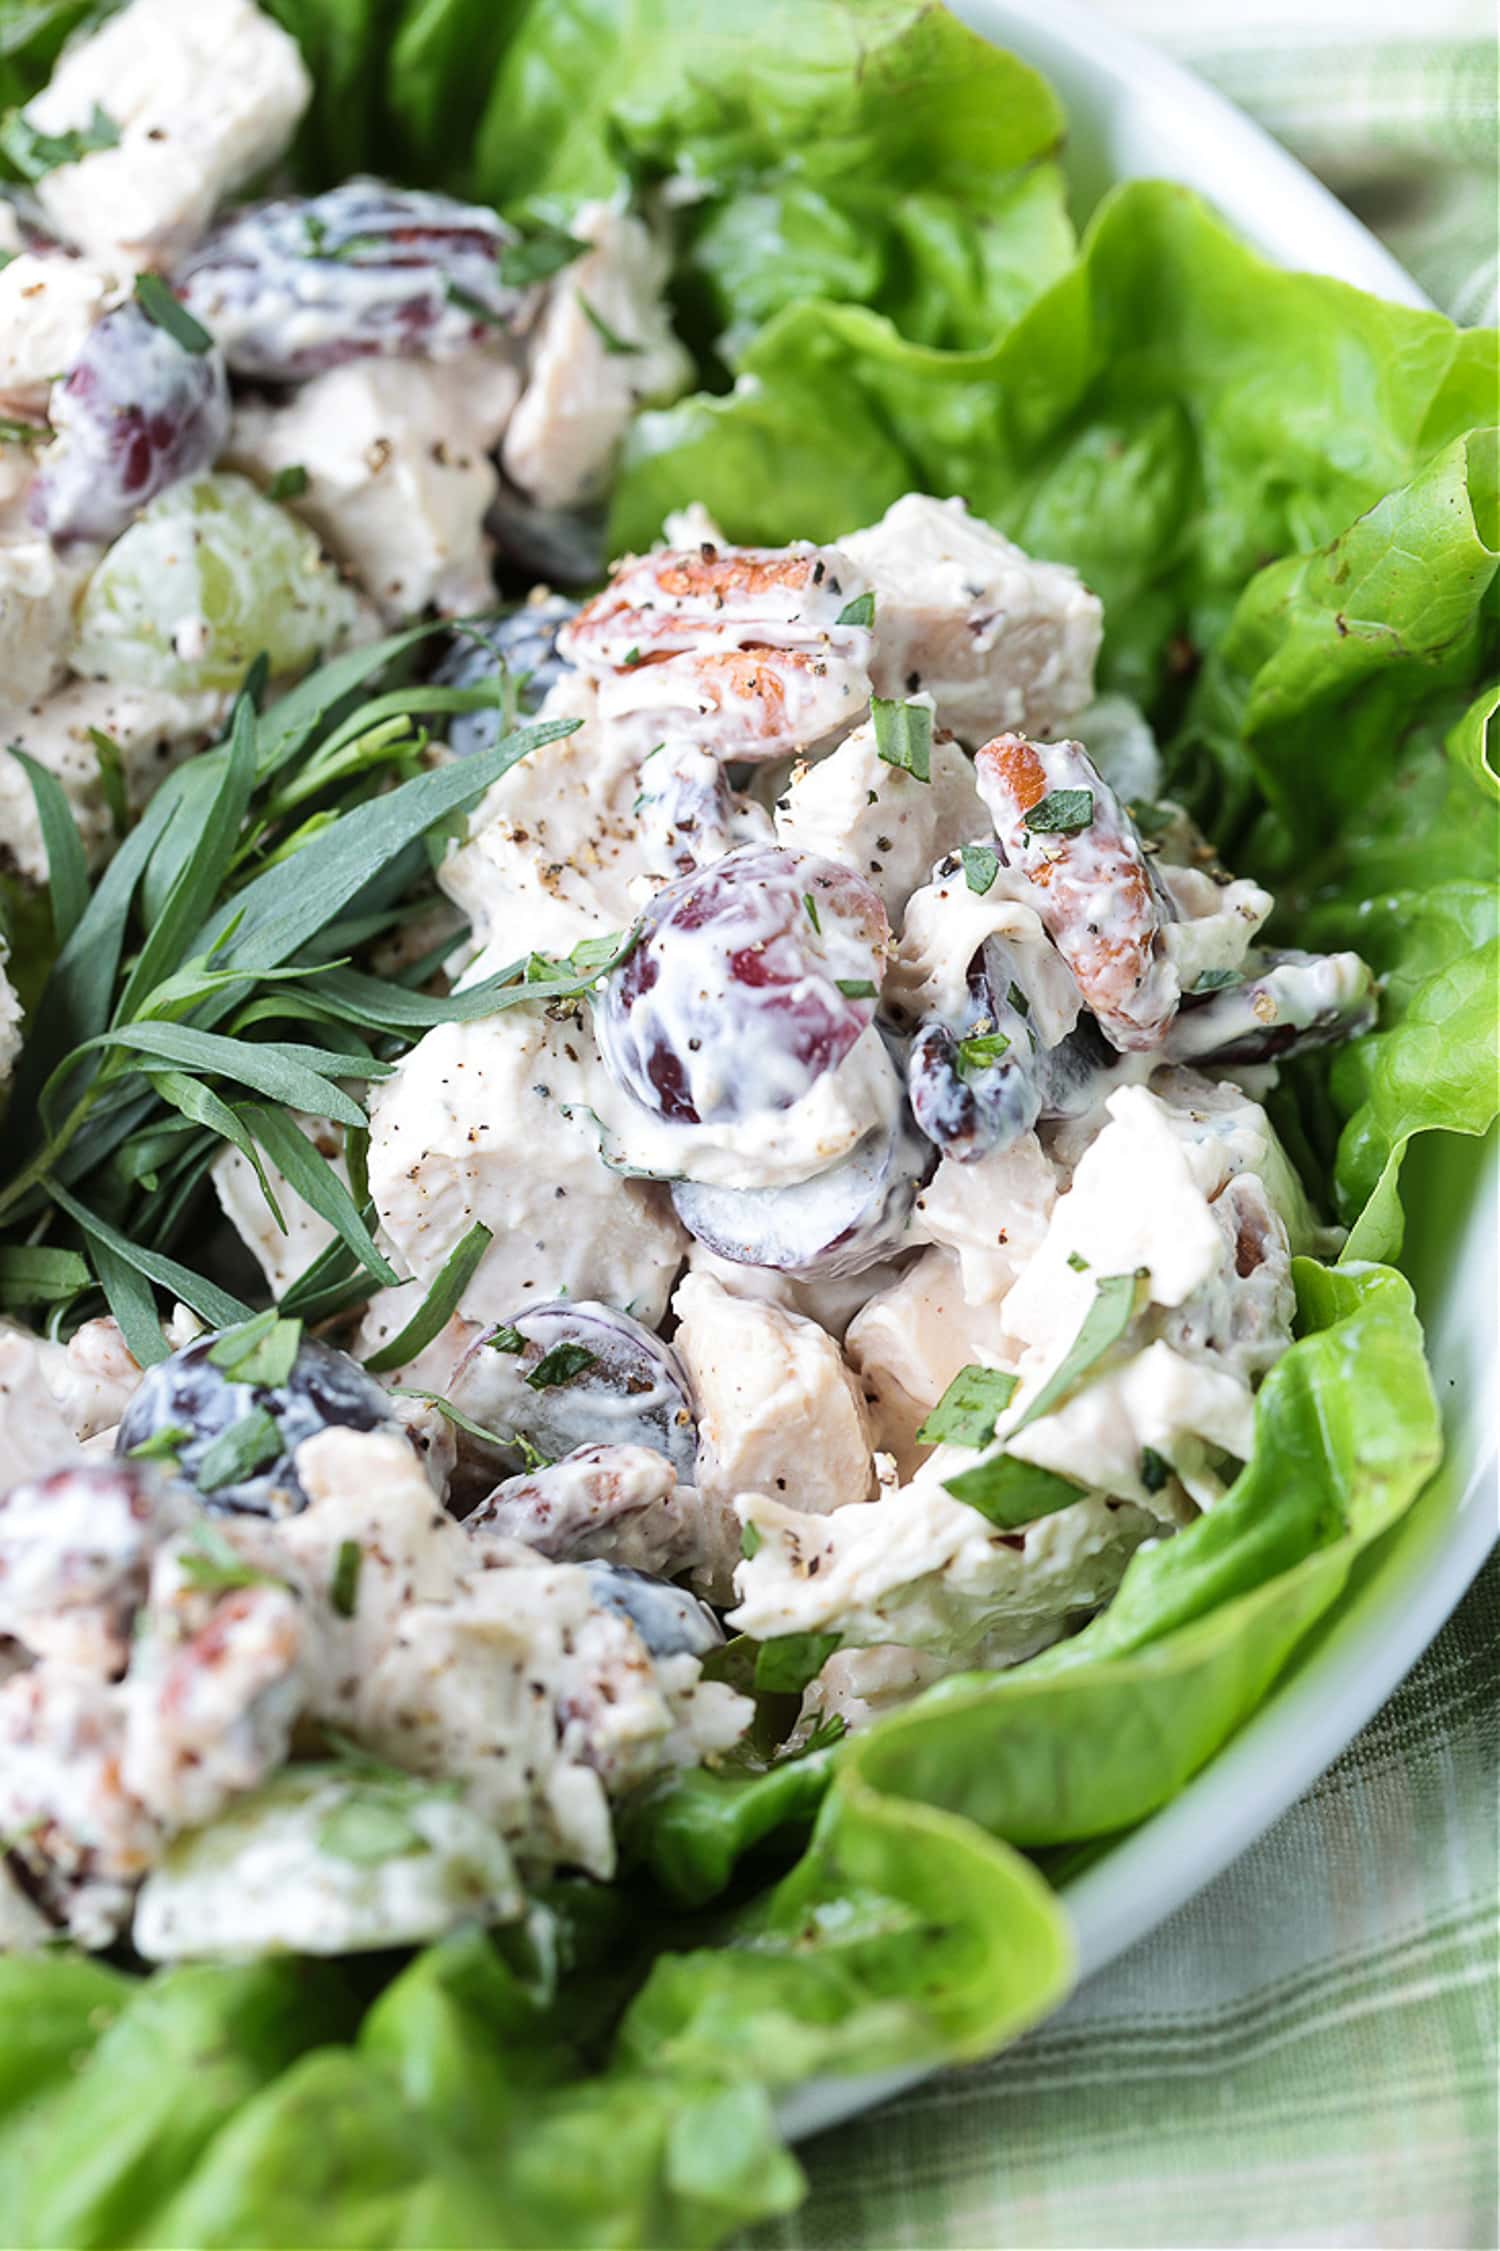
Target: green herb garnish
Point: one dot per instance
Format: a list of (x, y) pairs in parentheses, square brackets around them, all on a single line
[(1104, 1324), (506, 1339), (903, 736), (164, 1445), (438, 1306), (1061, 812), (861, 611), (163, 310), (811, 905), (262, 1350), (1155, 1469), (289, 483), (560, 1365), (245, 1447), (785, 1665), (617, 346), (541, 251), (467, 302), (979, 1053), (1008, 1492), (969, 1409), (212, 1566), (751, 1540), (981, 865), (34, 154), (857, 988), (343, 1588)]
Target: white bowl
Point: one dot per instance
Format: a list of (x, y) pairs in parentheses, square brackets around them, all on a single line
[(1135, 114)]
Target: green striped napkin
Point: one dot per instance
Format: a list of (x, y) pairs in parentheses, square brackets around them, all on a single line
[(1304, 2054)]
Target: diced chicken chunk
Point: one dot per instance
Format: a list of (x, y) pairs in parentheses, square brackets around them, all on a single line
[(39, 589), (474, 1124), (994, 637), (778, 1411), (911, 1341), (603, 346), (48, 304), (202, 94), (152, 731), (396, 453), (855, 807), (53, 1396)]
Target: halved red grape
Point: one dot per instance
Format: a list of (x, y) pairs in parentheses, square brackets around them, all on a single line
[(838, 1223), (749, 979), (567, 1375), (190, 1403), (974, 1083), (670, 1621), (293, 287), (135, 412)]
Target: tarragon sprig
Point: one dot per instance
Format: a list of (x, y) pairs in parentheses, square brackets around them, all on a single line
[(205, 987)]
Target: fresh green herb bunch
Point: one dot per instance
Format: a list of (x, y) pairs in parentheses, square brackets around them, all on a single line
[(206, 986)]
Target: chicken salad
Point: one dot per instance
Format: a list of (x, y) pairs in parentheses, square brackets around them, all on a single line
[(621, 1196)]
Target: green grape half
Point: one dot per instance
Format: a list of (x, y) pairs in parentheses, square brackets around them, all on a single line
[(210, 574)]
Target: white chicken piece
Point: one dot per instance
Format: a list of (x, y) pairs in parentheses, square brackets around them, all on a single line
[(602, 347), (11, 1020), (859, 1686), (280, 1254), (996, 638), (75, 1561), (947, 923), (909, 1343), (216, 1683), (552, 851), (399, 479), (476, 1123), (468, 1657), (81, 1836), (830, 1300), (854, 806), (920, 1568), (778, 1411), (992, 1211), (152, 731), (197, 97), (54, 1396), (48, 304), (1216, 922), (621, 1504), (39, 590)]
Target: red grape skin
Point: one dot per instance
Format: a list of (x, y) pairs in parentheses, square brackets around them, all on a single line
[(731, 1003), (135, 412)]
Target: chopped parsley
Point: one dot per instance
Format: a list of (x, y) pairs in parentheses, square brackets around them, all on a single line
[(163, 1445), (614, 344), (560, 1365), (239, 1451), (289, 483), (162, 309), (861, 611), (811, 905), (507, 1338), (968, 1410), (262, 1350), (17, 433), (751, 1541), (1017, 999), (1103, 1325), (979, 1053), (343, 1588), (1061, 812), (1008, 1492), (856, 988), (981, 866), (785, 1665), (34, 154), (903, 736), (541, 251), (476, 307), (212, 1566), (1078, 1262), (1155, 1471)]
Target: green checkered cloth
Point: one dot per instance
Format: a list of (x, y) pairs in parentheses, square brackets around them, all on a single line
[(1304, 2054)]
